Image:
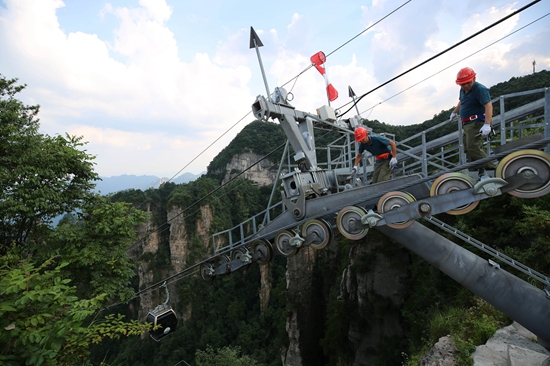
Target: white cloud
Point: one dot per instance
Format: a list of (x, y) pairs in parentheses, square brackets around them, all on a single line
[(136, 96), (153, 82)]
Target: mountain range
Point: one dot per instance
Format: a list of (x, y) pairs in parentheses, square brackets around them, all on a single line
[(143, 182)]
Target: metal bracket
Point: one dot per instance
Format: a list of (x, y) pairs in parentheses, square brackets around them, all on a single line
[(371, 218), (296, 241), (310, 238), (246, 257), (489, 186), (547, 291), (518, 180), (297, 204), (493, 263)]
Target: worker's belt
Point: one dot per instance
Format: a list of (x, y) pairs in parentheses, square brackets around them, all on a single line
[(481, 117), (383, 156)]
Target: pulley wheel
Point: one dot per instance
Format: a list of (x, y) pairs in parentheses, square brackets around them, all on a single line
[(261, 251), (221, 260), (451, 182), (206, 272), (239, 254), (322, 231), (346, 222), (527, 161), (393, 200), (282, 241)]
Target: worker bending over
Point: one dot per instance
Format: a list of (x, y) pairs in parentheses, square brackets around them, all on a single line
[(383, 150)]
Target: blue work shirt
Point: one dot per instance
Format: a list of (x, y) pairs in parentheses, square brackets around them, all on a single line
[(378, 145), (471, 103)]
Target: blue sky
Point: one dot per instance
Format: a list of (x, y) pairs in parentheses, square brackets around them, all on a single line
[(150, 84)]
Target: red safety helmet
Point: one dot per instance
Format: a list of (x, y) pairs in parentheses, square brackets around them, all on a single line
[(465, 75), (360, 133)]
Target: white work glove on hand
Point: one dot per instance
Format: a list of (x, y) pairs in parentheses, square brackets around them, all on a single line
[(354, 169), (453, 115), (485, 130), (393, 162)]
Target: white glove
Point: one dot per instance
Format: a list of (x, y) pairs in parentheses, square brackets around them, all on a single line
[(485, 130), (453, 115), (354, 170), (393, 162)]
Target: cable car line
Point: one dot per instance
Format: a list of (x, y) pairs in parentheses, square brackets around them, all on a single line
[(439, 54), (203, 151), (206, 196), (470, 55), (165, 227), (209, 146)]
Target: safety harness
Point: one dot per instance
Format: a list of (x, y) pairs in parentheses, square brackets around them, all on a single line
[(383, 156), (471, 119)]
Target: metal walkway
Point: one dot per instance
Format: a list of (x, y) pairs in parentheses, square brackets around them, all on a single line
[(416, 155)]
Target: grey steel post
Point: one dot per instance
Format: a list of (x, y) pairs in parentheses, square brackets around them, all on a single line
[(546, 116), (267, 217), (424, 154), (462, 158), (353, 96), (255, 42), (516, 298), (503, 123)]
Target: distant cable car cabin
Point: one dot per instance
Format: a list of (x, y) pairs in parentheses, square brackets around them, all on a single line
[(164, 316)]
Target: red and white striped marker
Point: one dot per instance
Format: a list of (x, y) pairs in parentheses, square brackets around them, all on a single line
[(318, 60)]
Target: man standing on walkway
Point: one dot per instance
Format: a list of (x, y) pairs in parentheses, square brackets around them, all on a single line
[(383, 149), (476, 114)]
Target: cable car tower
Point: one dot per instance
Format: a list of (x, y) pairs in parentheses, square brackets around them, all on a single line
[(317, 201)]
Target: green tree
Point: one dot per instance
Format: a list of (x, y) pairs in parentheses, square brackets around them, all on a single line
[(41, 177), (94, 244), (225, 356), (52, 279), (44, 323)]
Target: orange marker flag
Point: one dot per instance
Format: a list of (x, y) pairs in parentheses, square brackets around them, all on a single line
[(318, 60)]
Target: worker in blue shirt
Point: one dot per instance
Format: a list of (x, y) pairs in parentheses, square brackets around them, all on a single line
[(383, 149), (476, 114)]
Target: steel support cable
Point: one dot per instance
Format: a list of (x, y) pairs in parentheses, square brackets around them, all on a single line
[(426, 61), (166, 227), (151, 288), (342, 45), (439, 54), (470, 55), (491, 251), (202, 152), (209, 146), (208, 259), (205, 196)]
